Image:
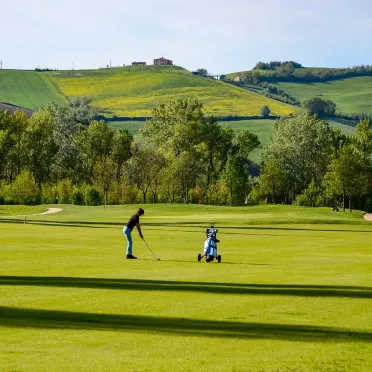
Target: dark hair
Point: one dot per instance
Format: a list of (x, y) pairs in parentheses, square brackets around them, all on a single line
[(140, 211)]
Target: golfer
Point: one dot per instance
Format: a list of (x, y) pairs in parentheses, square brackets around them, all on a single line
[(128, 228)]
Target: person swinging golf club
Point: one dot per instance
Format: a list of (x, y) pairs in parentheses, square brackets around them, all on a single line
[(128, 228)]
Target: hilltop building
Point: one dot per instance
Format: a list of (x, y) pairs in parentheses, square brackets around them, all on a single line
[(162, 61), (239, 79), (138, 63)]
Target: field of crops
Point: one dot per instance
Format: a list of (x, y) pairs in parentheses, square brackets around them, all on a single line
[(29, 89), (134, 91), (352, 95)]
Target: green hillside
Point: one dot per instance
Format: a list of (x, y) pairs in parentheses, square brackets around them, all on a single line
[(134, 91), (352, 95), (297, 71), (28, 89)]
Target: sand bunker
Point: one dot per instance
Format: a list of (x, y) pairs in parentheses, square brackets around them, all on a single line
[(52, 210), (368, 216)]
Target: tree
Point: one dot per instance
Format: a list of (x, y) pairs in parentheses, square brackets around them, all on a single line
[(318, 106), (82, 111), (104, 175), (40, 145), (144, 167), (121, 149), (303, 147), (265, 111), (273, 180), (66, 158), (175, 126), (202, 72), (346, 175)]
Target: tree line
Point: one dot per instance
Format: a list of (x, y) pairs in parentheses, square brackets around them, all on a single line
[(307, 162), (285, 72), (180, 156)]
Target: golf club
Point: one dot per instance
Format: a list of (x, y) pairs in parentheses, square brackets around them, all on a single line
[(158, 259)]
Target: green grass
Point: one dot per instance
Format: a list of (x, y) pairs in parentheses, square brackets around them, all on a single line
[(29, 89), (132, 126), (293, 292), (134, 91), (352, 95)]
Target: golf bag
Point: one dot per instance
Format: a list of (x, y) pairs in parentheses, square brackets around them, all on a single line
[(210, 246)]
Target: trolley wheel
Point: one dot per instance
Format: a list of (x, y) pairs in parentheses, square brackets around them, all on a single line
[(219, 258), (199, 257)]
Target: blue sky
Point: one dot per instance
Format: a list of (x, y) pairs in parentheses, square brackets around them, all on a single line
[(219, 35)]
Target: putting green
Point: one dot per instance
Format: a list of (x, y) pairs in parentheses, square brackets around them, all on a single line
[(293, 292)]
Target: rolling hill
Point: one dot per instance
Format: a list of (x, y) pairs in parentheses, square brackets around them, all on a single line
[(351, 95), (133, 91), (29, 89)]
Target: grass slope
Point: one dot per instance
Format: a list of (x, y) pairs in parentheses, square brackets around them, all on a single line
[(292, 293), (29, 89), (134, 91), (352, 95)]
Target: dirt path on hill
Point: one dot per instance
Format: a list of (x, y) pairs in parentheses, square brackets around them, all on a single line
[(52, 210)]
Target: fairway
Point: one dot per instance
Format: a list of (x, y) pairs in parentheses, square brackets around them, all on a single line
[(293, 291), (29, 89)]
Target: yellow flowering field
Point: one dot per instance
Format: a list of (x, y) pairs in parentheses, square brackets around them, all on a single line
[(134, 92)]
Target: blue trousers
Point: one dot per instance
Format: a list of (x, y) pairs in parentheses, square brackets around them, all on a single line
[(128, 235)]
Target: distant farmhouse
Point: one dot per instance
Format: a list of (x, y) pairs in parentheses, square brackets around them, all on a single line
[(239, 79), (138, 63), (162, 61)]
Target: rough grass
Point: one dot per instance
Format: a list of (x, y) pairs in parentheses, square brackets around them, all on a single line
[(29, 89), (134, 91), (293, 292)]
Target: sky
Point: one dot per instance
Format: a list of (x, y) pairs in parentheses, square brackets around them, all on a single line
[(218, 35)]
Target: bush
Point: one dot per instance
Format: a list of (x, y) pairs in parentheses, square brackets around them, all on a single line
[(256, 196), (130, 194), (24, 190), (114, 196), (218, 193), (65, 191), (77, 196), (265, 111), (48, 193), (92, 196)]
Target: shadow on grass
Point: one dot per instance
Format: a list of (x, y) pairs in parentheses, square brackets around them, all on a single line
[(255, 225), (204, 287), (52, 319), (198, 263)]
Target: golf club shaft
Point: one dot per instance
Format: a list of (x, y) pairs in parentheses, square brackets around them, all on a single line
[(150, 249)]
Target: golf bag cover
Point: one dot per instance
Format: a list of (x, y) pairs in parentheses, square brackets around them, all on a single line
[(210, 247)]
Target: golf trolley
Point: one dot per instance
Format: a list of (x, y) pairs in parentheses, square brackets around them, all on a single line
[(210, 246)]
